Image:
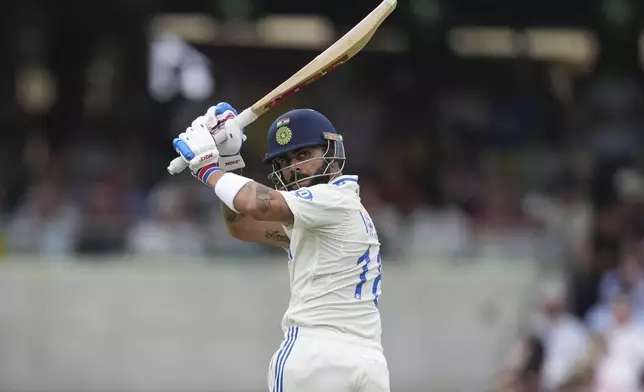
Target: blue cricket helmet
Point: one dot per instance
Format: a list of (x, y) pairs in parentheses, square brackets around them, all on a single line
[(298, 129), (302, 128)]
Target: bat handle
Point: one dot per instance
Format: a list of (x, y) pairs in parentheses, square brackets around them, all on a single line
[(177, 166), (244, 119)]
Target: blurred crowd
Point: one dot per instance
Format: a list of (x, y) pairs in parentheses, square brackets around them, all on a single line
[(587, 330), (492, 163), (603, 351), (480, 162)]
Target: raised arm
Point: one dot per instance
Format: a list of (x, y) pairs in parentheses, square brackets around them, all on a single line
[(256, 212), (258, 201), (245, 228)]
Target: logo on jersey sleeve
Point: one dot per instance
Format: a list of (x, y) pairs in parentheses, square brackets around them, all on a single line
[(304, 194)]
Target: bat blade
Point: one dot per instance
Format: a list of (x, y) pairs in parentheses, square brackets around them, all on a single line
[(334, 56)]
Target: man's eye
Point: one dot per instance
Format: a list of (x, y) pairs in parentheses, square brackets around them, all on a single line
[(303, 155)]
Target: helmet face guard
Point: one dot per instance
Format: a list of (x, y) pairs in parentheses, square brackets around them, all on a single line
[(334, 153)]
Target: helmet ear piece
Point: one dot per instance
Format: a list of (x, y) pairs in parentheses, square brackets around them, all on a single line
[(338, 148), (335, 151)]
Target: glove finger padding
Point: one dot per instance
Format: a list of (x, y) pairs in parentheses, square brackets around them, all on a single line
[(204, 159), (222, 111), (182, 148), (201, 145), (216, 116), (227, 133), (201, 122), (229, 138)]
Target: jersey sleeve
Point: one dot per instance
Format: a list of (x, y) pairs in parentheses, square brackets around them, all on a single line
[(316, 206)]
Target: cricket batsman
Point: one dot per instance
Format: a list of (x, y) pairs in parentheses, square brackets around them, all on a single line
[(332, 325)]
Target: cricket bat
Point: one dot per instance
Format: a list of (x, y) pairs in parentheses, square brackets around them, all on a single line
[(334, 56)]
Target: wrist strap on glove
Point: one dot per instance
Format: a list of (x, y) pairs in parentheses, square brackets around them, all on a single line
[(231, 162), (205, 172)]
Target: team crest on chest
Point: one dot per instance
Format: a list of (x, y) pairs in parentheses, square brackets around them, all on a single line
[(283, 135)]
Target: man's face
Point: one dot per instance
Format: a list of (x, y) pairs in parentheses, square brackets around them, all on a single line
[(302, 163)]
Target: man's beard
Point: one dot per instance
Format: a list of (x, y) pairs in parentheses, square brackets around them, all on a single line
[(320, 178)]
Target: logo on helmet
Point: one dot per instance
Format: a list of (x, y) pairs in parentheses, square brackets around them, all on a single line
[(283, 135)]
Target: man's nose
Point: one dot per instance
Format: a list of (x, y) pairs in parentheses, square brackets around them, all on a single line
[(295, 168), (295, 164)]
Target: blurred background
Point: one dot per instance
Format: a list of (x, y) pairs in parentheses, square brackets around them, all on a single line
[(498, 145)]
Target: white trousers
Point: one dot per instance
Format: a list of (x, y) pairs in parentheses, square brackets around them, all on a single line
[(315, 360)]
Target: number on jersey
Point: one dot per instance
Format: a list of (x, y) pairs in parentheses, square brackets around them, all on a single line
[(375, 290)]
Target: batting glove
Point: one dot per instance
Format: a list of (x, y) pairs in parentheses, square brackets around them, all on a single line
[(228, 135), (198, 148)]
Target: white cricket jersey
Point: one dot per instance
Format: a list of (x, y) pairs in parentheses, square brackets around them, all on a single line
[(334, 260)]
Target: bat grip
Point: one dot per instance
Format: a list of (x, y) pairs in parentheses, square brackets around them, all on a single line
[(244, 119)]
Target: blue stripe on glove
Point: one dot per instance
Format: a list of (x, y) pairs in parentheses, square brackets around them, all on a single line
[(182, 148), (202, 174), (222, 107)]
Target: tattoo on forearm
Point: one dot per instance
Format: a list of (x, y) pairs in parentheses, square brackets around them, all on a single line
[(263, 203), (263, 197), (230, 215), (277, 236)]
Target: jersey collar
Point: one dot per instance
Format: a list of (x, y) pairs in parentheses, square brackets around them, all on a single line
[(344, 180)]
